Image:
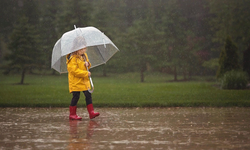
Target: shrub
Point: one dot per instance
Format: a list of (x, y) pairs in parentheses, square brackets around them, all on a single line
[(234, 80), (229, 59)]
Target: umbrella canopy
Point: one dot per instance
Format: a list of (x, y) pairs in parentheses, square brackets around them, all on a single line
[(99, 47)]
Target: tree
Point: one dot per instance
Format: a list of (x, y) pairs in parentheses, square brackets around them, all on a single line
[(175, 35), (30, 9), (143, 39), (104, 19), (24, 46), (228, 58), (246, 61), (230, 17), (48, 29), (73, 12), (8, 15)]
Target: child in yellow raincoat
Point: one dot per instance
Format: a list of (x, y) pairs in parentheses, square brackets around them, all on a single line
[(78, 78)]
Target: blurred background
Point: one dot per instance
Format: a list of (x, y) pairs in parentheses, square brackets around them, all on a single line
[(175, 37)]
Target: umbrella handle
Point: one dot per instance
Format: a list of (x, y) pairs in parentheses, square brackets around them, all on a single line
[(92, 86), (91, 82)]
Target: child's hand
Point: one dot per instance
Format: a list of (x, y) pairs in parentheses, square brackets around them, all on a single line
[(89, 74), (86, 64)]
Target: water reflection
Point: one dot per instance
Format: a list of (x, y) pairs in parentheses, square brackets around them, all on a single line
[(81, 138)]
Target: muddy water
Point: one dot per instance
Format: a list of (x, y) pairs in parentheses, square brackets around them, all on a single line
[(121, 128)]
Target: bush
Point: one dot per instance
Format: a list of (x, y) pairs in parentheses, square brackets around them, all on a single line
[(229, 59), (234, 80)]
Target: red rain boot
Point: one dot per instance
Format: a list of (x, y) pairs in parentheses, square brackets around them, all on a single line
[(92, 114), (72, 115)]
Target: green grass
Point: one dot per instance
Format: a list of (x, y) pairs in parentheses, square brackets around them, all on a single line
[(119, 90)]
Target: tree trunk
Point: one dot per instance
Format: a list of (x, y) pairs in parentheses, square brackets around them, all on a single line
[(175, 73), (23, 75), (189, 75), (104, 72), (53, 72), (184, 74), (142, 75)]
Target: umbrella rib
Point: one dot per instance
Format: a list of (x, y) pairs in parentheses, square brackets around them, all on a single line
[(102, 56)]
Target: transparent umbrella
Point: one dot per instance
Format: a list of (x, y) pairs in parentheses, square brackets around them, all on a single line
[(100, 47)]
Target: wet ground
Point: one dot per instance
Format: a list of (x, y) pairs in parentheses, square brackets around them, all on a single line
[(123, 128)]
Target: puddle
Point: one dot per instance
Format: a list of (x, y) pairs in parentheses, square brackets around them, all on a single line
[(124, 128)]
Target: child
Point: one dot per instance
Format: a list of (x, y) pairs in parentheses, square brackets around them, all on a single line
[(79, 81)]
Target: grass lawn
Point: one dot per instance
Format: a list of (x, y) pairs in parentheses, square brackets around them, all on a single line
[(119, 90)]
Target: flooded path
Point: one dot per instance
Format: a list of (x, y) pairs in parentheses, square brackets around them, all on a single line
[(124, 128)]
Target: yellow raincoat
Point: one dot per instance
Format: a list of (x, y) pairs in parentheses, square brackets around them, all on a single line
[(77, 73)]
